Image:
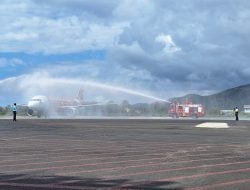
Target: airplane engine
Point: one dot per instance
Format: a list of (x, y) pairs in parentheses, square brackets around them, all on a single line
[(37, 113), (30, 112)]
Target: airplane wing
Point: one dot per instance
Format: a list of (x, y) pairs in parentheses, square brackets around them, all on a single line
[(87, 105), (72, 110)]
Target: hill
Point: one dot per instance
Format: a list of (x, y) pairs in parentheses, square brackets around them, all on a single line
[(228, 99)]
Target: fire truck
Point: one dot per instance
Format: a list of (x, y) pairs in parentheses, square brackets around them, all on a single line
[(186, 109)]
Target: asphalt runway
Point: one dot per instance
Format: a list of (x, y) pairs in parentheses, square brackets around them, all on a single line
[(123, 154)]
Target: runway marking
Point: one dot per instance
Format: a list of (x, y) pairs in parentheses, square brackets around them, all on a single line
[(90, 151), (69, 156), (51, 186), (165, 145), (102, 158), (94, 154), (103, 143), (122, 147), (227, 183), (90, 164), (26, 137), (213, 125), (65, 150), (130, 142), (129, 148), (143, 165), (135, 143), (176, 169), (48, 142), (118, 168), (57, 151), (86, 159), (101, 163), (187, 177), (155, 153), (115, 145)]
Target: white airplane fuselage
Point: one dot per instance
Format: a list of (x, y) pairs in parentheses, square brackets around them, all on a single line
[(38, 106), (41, 105)]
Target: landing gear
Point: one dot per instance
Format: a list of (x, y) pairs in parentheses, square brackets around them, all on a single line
[(39, 114), (30, 112)]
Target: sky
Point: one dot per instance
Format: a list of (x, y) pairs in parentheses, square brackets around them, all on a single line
[(159, 48)]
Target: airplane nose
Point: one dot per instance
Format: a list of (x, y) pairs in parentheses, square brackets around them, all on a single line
[(32, 104)]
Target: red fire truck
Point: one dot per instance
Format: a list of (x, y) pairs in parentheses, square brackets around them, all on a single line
[(187, 109)]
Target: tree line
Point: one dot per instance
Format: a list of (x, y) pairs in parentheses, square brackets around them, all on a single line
[(3, 110), (125, 108)]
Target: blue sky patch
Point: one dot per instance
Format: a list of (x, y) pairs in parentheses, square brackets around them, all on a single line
[(27, 62)]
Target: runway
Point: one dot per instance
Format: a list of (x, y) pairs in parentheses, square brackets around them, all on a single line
[(123, 154)]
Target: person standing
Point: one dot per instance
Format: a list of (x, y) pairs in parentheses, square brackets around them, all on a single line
[(14, 109), (236, 112)]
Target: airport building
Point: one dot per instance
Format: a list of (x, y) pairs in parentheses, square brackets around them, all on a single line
[(246, 108)]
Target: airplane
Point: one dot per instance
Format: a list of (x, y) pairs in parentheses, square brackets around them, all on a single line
[(41, 105)]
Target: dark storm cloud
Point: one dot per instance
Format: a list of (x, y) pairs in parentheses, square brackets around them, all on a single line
[(213, 37)]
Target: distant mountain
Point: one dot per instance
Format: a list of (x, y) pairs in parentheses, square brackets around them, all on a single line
[(228, 99)]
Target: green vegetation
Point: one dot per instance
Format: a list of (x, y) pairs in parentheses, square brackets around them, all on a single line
[(213, 112), (126, 109), (3, 110)]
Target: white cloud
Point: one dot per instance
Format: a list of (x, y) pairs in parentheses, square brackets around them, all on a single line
[(13, 62), (26, 86), (169, 45), (28, 31), (208, 40), (131, 10), (18, 36)]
